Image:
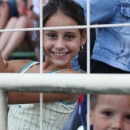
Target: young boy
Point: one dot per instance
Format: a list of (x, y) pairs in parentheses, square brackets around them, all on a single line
[(110, 112)]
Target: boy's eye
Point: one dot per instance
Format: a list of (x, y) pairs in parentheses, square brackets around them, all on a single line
[(107, 113), (128, 117)]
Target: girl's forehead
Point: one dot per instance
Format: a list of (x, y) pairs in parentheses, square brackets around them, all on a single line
[(75, 32), (60, 19)]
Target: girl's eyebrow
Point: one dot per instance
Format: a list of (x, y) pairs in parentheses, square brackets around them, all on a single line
[(67, 31), (50, 30), (71, 32)]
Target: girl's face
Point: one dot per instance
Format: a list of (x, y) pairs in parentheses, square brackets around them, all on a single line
[(60, 46), (112, 112)]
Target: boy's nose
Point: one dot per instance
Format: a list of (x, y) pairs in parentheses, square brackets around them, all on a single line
[(117, 125)]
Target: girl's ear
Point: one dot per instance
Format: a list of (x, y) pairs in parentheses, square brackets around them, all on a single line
[(91, 118), (83, 37)]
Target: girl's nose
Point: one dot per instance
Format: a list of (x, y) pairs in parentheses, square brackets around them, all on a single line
[(60, 45)]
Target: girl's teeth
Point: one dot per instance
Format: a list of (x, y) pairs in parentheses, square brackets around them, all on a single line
[(59, 54)]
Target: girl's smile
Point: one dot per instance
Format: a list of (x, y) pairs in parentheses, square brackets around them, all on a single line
[(59, 55)]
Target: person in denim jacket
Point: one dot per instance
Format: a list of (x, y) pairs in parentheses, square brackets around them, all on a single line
[(111, 50), (112, 45)]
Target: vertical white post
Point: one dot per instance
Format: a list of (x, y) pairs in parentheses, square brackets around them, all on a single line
[(88, 111), (3, 110), (41, 62), (88, 60), (88, 36)]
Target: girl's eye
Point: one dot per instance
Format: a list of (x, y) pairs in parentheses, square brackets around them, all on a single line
[(69, 37), (107, 113), (52, 35)]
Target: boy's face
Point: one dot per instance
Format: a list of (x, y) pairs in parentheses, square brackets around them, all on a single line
[(112, 112)]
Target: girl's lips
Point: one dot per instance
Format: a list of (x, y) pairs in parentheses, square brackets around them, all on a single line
[(60, 55)]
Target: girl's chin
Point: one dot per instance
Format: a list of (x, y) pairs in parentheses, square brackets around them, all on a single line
[(60, 64)]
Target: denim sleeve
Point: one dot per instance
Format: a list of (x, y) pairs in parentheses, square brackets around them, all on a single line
[(102, 10)]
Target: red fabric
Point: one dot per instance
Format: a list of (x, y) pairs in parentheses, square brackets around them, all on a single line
[(24, 10), (80, 99)]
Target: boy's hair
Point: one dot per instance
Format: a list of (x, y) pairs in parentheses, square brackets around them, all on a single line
[(94, 100)]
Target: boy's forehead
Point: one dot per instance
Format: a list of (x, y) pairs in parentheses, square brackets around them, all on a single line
[(115, 103), (113, 99)]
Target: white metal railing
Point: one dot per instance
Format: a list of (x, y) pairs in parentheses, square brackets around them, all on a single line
[(96, 83), (81, 83)]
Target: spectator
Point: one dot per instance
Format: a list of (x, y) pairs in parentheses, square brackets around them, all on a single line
[(111, 48), (4, 14), (8, 9), (11, 40), (110, 112)]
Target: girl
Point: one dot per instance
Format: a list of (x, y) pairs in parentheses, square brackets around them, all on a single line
[(60, 46)]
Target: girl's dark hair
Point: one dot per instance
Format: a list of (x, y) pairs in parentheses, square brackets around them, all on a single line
[(68, 7)]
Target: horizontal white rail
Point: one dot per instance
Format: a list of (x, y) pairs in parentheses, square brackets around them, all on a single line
[(69, 27), (68, 83)]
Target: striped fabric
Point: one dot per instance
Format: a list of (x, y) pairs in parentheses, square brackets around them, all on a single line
[(26, 116)]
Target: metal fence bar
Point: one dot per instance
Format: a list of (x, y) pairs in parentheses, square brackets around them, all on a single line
[(3, 110), (88, 36), (68, 27), (88, 111), (41, 62), (88, 60), (81, 83)]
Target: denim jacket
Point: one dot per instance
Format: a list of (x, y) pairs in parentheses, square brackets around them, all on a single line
[(112, 45)]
